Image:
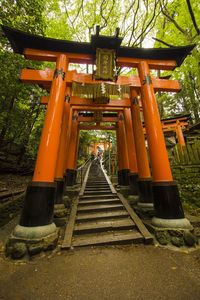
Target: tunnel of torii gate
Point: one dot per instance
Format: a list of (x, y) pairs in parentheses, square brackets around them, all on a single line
[(58, 148)]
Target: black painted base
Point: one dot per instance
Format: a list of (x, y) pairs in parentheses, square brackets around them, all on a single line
[(145, 190), (59, 190), (70, 177), (119, 177), (133, 177), (167, 201), (124, 177), (39, 204)]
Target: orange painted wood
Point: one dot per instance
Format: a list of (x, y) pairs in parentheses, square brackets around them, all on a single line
[(48, 149), (93, 108), (68, 135), (44, 77), (77, 146), (92, 119), (158, 153), (96, 127), (123, 142), (62, 145), (140, 147), (153, 64), (179, 134), (89, 102), (73, 142), (119, 149), (130, 141), (43, 55)]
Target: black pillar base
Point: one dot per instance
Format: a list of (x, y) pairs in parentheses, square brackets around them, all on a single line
[(145, 190), (133, 177), (167, 201), (59, 190), (125, 176), (119, 177), (39, 204), (70, 177)]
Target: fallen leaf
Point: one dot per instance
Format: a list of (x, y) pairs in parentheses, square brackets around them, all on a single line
[(174, 268)]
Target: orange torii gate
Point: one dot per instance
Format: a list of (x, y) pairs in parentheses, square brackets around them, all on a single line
[(59, 140)]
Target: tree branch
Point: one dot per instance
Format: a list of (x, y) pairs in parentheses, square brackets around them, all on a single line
[(192, 17), (164, 43)]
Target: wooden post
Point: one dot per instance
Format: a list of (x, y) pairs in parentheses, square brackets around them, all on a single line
[(72, 150), (39, 202), (166, 196), (179, 134), (62, 152), (76, 155), (68, 134), (144, 175), (124, 152), (133, 176), (119, 154)]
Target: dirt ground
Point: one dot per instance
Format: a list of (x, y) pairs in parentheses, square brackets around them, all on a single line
[(101, 273)]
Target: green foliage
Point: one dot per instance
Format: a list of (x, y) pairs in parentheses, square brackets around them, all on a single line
[(20, 112), (175, 27)]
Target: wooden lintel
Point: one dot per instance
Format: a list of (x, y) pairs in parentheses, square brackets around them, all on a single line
[(153, 64), (96, 127), (93, 108), (89, 102), (43, 55), (92, 119), (120, 103), (45, 77)]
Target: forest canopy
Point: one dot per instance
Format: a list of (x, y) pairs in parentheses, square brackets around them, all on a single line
[(142, 23)]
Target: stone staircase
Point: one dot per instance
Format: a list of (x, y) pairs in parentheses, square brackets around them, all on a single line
[(100, 216)]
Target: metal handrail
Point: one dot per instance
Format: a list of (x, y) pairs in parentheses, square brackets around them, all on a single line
[(81, 171)]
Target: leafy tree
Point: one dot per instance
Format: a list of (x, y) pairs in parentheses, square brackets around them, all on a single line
[(179, 26), (19, 103)]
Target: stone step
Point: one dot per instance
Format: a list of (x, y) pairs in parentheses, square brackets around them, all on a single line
[(102, 225), (106, 238), (104, 196), (97, 192), (97, 187), (99, 201), (84, 217), (102, 208)]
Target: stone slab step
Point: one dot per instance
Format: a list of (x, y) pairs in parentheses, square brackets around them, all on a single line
[(106, 196), (102, 225), (99, 188), (99, 207), (97, 192), (84, 217), (115, 237), (99, 201)]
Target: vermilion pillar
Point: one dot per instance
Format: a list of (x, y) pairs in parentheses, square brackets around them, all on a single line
[(76, 155), (59, 179), (119, 155), (68, 134), (95, 148), (179, 134), (166, 196), (71, 172), (124, 152), (144, 175), (39, 202), (133, 175)]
